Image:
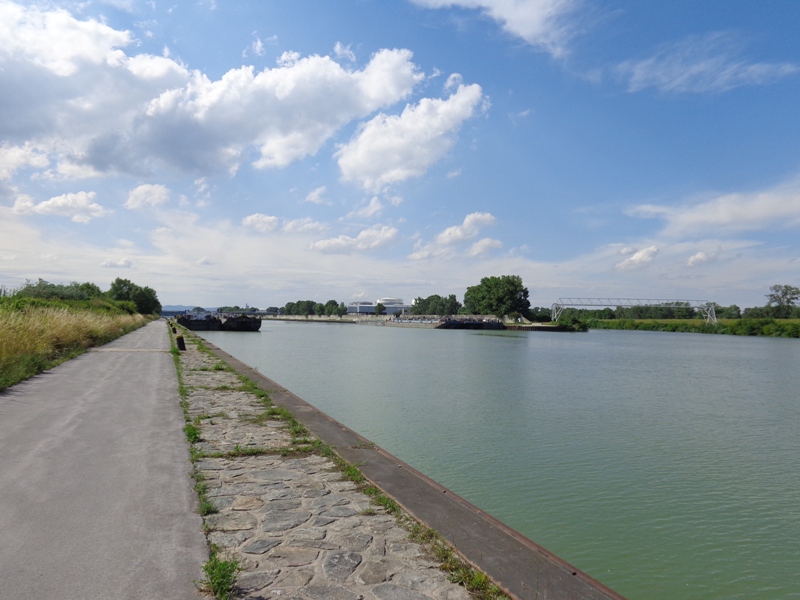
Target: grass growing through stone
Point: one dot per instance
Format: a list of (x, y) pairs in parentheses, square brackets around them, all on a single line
[(220, 577), (192, 432), (458, 570)]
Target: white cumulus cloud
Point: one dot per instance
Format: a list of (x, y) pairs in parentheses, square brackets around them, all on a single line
[(102, 108), (260, 222), (698, 259), (121, 263), (16, 157), (445, 242), (483, 246), (305, 225), (286, 113), (56, 41), (80, 206), (393, 148), (368, 239), (147, 195), (467, 230)]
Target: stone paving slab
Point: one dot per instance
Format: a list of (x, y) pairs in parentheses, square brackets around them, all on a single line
[(297, 528)]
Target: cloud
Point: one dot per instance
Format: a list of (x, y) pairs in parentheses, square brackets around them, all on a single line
[(638, 260), (467, 230), (444, 243), (122, 263), (286, 113), (698, 259), (483, 246), (778, 206), (261, 223), (700, 64), (56, 41), (368, 239), (147, 195), (342, 51), (306, 225), (16, 157), (95, 109), (389, 149), (541, 23), (316, 196), (258, 47), (80, 207), (372, 209)]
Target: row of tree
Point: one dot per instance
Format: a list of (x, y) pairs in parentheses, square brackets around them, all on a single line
[(507, 296), (134, 297), (781, 304), (309, 307)]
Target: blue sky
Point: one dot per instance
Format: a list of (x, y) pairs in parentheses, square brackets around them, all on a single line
[(272, 151)]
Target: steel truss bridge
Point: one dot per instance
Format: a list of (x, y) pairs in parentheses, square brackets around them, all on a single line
[(704, 306)]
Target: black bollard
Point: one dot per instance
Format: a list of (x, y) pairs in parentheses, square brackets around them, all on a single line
[(181, 343), (174, 330)]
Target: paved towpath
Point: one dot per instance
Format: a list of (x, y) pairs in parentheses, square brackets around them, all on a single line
[(95, 496)]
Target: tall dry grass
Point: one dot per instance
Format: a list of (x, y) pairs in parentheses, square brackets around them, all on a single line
[(37, 338)]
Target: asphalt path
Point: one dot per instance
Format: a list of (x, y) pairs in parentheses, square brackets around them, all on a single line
[(95, 496)]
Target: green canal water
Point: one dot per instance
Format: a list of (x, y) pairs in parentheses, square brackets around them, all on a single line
[(665, 465)]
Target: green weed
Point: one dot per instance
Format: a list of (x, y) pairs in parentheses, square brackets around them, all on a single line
[(220, 577), (192, 433)]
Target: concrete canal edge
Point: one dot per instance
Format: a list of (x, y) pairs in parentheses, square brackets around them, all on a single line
[(522, 568)]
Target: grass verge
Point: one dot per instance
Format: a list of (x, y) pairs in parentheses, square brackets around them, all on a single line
[(36, 338)]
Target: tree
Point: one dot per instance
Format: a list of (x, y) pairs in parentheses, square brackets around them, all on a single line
[(782, 299), (90, 289), (380, 309), (497, 296), (331, 308), (145, 298), (121, 289), (436, 305)]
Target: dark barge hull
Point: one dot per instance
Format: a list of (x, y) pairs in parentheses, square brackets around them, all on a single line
[(471, 325), (240, 323)]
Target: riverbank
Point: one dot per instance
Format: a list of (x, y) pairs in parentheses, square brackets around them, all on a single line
[(748, 327), (518, 565)]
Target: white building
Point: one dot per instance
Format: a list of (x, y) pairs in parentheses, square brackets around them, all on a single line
[(391, 306)]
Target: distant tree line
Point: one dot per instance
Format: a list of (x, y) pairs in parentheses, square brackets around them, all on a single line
[(127, 295), (781, 304), (237, 309), (506, 295), (310, 307)]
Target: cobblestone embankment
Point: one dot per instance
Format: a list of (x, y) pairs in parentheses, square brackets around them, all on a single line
[(297, 527)]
